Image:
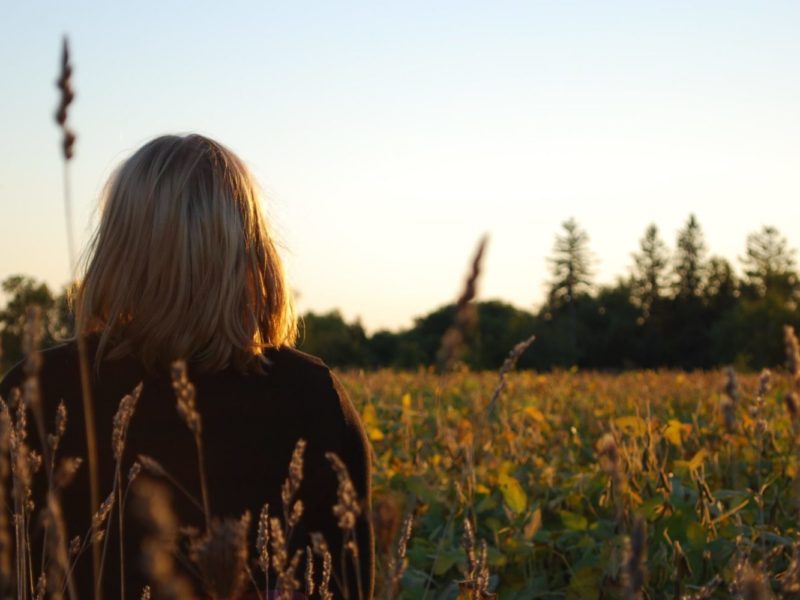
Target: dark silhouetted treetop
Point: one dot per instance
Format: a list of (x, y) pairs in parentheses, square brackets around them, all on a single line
[(721, 286), (769, 263), (570, 265), (689, 261), (649, 269)]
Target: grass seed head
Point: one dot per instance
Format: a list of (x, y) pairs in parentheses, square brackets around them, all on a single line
[(41, 587), (134, 471), (152, 504), (285, 568), (398, 563), (309, 574), (325, 581), (290, 487), (221, 557), (74, 547), (185, 394), (347, 508), (151, 465), (466, 315), (318, 544), (99, 518), (64, 84), (262, 539), (54, 439), (66, 471), (122, 419)]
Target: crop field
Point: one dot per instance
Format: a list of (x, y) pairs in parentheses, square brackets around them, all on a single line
[(587, 485), (512, 484)]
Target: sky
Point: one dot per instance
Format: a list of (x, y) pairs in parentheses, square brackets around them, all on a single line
[(388, 137)]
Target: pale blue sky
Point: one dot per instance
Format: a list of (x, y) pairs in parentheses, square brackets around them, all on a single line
[(388, 136)]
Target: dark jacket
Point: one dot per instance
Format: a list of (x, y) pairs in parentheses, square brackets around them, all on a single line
[(250, 424)]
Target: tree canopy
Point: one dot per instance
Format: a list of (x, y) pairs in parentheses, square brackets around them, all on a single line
[(671, 310)]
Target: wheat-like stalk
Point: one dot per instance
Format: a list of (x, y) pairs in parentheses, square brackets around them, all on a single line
[(262, 544), (293, 509), (320, 548), (398, 562), (66, 97), (119, 434), (152, 504), (285, 568), (221, 557), (58, 565), (453, 339), (309, 574), (508, 365), (187, 409)]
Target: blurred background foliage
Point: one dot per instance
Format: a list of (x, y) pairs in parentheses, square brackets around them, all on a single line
[(680, 309)]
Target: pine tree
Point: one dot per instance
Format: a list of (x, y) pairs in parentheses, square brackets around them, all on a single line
[(721, 286), (649, 270), (570, 265), (689, 265), (769, 262), (571, 269)]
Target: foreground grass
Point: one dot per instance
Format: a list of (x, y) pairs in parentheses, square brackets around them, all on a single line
[(578, 480)]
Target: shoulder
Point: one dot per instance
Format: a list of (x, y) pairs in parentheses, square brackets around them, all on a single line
[(309, 375), (299, 371), (289, 358)]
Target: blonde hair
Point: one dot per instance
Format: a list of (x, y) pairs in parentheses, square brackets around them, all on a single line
[(182, 264)]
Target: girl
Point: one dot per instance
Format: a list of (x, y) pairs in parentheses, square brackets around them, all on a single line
[(182, 266)]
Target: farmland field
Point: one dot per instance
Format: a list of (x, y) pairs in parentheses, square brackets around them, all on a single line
[(580, 483)]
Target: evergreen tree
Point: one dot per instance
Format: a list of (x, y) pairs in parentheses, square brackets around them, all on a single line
[(721, 287), (649, 270), (689, 267), (769, 263), (570, 265), (572, 275)]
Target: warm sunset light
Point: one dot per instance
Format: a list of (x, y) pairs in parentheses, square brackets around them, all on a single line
[(388, 139), (400, 301)]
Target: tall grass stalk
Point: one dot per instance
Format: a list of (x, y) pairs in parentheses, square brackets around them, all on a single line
[(187, 408), (64, 84), (466, 315)]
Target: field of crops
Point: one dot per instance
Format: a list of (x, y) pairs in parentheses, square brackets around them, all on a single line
[(588, 485)]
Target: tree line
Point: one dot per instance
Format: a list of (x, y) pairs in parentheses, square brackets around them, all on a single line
[(682, 309)]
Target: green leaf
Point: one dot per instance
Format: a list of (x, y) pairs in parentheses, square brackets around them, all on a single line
[(648, 509), (513, 494), (420, 488), (696, 534), (574, 521), (446, 559)]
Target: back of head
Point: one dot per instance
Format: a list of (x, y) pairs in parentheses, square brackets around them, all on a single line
[(182, 264)]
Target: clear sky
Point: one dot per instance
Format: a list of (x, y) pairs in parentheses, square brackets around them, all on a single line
[(389, 136)]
